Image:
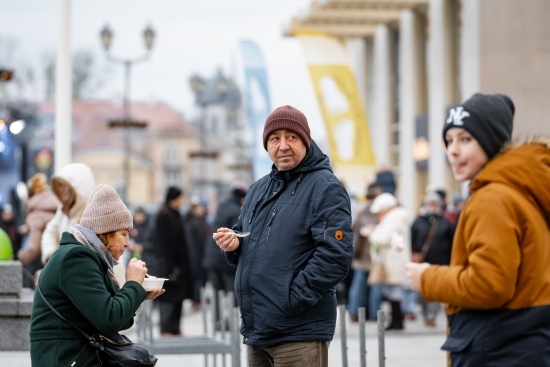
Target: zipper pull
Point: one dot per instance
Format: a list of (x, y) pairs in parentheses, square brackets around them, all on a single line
[(272, 216)]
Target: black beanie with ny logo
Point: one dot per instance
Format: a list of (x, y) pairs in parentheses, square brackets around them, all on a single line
[(488, 117)]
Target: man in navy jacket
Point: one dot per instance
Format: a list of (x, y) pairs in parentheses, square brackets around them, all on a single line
[(299, 248)]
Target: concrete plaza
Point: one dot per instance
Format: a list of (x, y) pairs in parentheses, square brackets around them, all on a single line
[(416, 346)]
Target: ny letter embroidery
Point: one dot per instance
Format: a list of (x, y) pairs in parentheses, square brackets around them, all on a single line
[(456, 115)]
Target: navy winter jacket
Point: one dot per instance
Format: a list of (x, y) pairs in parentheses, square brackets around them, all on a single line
[(299, 248)]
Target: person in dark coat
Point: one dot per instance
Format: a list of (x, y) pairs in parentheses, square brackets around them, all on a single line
[(218, 272), (142, 238), (173, 251), (199, 232), (432, 241), (299, 248), (79, 282)]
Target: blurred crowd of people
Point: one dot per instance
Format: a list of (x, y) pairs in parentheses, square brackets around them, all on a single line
[(174, 240), (386, 237)]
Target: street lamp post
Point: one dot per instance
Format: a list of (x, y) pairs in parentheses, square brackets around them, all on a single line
[(126, 121)]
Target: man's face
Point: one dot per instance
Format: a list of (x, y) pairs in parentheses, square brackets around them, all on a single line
[(286, 149)]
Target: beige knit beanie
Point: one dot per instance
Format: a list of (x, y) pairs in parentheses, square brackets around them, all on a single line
[(105, 212)]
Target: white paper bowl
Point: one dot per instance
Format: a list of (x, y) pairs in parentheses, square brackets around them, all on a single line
[(151, 284)]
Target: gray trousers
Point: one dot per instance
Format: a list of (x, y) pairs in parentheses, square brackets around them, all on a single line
[(429, 309), (293, 354)]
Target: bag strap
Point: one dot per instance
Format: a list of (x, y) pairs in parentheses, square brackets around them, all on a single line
[(61, 317), (429, 238)]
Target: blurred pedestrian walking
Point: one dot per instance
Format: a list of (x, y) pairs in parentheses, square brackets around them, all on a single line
[(431, 242), (362, 227), (170, 241), (389, 254), (199, 232)]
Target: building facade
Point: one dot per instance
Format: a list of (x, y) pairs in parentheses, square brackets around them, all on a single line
[(414, 59)]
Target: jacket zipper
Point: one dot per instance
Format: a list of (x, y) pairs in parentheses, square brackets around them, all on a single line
[(269, 225)]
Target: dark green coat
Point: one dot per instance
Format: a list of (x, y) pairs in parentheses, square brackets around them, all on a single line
[(76, 283)]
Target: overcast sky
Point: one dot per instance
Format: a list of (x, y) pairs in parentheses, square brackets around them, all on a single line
[(192, 36)]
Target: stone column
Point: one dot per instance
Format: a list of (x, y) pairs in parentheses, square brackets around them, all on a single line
[(382, 108), (412, 100), (442, 82)]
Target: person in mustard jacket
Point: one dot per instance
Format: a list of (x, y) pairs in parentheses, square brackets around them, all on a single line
[(78, 281), (497, 286)]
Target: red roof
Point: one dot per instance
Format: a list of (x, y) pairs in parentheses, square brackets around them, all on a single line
[(90, 118)]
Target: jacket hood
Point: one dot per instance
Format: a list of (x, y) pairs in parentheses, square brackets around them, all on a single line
[(314, 160), (81, 178), (524, 167)]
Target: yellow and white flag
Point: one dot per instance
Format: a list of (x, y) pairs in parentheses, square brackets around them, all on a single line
[(351, 152)]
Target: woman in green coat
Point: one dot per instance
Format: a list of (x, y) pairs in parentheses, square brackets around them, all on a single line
[(79, 282)]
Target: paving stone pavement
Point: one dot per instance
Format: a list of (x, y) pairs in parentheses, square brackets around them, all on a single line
[(416, 346)]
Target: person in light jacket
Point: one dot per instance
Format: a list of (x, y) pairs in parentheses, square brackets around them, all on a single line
[(72, 185), (389, 255)]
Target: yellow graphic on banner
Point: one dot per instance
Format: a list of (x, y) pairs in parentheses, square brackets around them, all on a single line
[(345, 119), (336, 89)]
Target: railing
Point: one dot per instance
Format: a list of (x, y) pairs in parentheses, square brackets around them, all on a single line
[(223, 340)]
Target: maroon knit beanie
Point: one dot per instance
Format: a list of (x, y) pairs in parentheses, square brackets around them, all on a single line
[(288, 118)]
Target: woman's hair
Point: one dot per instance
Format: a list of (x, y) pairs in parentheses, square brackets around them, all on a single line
[(106, 238), (37, 184)]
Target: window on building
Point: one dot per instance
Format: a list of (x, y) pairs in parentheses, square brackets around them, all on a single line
[(172, 176), (172, 155)]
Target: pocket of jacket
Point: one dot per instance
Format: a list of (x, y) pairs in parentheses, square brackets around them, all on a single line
[(457, 342)]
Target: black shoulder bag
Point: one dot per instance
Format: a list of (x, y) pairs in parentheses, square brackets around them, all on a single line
[(110, 353)]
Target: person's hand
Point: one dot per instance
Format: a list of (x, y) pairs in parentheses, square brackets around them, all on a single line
[(226, 239), (136, 270), (154, 294), (414, 273)]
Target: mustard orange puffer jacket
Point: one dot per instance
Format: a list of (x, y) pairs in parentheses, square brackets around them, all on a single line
[(497, 286)]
